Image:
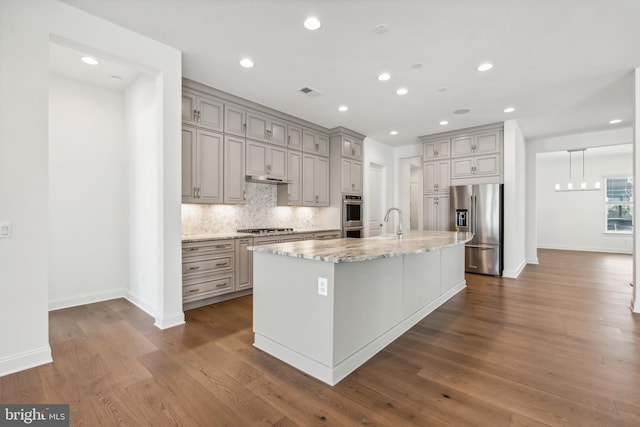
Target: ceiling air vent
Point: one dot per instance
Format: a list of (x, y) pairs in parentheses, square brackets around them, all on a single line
[(310, 92)]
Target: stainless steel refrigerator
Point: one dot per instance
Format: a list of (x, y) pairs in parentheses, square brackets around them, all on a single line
[(478, 209)]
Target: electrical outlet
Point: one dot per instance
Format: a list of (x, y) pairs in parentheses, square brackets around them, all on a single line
[(323, 286), (5, 230)]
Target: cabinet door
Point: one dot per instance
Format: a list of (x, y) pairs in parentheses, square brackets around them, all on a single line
[(308, 180), (429, 177), (309, 140), (487, 143), (244, 264), (487, 165), (210, 114), (356, 177), (443, 176), (462, 146), (435, 150), (256, 158), (294, 137), (430, 213), (442, 213), (277, 132), (234, 120), (295, 176), (323, 145), (277, 162), (189, 107), (234, 176), (322, 181), (462, 168), (346, 176), (257, 126), (209, 167), (189, 150), (357, 148), (347, 146)]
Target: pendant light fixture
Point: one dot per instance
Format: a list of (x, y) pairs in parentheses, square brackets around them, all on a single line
[(583, 184)]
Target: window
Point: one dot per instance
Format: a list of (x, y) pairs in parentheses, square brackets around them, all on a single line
[(619, 204)]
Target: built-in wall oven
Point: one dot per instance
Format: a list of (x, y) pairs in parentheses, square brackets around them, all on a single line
[(352, 214)]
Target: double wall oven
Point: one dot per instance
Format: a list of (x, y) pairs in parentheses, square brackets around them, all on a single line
[(352, 215)]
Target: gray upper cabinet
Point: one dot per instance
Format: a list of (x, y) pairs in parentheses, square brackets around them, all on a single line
[(202, 111), (351, 179), (351, 147), (436, 176), (436, 150), (315, 180), (235, 120), (234, 176), (266, 160), (468, 145), (263, 128), (202, 166), (315, 142), (291, 194), (294, 137)]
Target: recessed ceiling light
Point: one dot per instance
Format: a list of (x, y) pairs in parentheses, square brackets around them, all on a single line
[(443, 122), (393, 132), (485, 67), (312, 23), (416, 65), (402, 91), (381, 28), (343, 108), (384, 77), (615, 121), (509, 110), (246, 62), (89, 60), (461, 111)]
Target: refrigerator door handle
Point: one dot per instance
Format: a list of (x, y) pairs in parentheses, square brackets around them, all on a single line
[(484, 248)]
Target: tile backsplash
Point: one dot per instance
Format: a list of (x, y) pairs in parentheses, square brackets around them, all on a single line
[(259, 211)]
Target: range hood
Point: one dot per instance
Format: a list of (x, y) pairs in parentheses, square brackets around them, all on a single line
[(263, 179)]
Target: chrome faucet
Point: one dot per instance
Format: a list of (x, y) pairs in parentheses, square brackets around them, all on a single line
[(386, 219)]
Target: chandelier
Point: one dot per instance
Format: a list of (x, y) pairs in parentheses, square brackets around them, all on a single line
[(583, 184)]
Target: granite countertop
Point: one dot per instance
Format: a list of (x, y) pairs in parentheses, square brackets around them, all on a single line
[(234, 235), (352, 250)]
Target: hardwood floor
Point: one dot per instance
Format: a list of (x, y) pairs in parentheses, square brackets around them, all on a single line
[(558, 346)]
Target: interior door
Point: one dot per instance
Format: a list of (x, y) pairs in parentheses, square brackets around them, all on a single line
[(374, 200)]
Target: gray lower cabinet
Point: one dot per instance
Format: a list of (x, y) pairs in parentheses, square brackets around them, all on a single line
[(208, 269), (327, 235), (244, 264)]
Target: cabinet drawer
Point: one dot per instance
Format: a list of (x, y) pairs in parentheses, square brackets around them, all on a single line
[(327, 235), (217, 285), (207, 247), (219, 264)]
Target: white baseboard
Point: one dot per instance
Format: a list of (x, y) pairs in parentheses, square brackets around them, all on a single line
[(532, 261), (635, 305), (170, 321), (76, 300), (26, 360), (585, 249), (513, 274)]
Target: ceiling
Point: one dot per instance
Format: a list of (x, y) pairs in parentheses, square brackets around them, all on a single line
[(566, 66)]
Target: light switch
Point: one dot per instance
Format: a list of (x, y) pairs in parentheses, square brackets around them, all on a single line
[(5, 230)]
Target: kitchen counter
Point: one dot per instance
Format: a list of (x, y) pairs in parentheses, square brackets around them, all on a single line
[(234, 235), (353, 250), (326, 307)]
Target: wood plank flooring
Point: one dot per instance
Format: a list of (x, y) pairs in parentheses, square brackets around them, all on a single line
[(558, 346)]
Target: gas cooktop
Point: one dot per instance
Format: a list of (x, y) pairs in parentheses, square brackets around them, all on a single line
[(264, 230)]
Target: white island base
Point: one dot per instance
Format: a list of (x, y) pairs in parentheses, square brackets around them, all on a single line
[(368, 304)]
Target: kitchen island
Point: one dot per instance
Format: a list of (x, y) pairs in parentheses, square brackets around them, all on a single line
[(326, 307)]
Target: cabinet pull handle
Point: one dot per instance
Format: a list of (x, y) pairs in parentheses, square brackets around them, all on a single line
[(244, 194), (317, 198), (194, 290), (353, 152), (268, 168), (193, 268), (220, 246), (191, 249), (288, 139), (244, 127), (195, 115), (221, 285), (221, 264), (317, 146)]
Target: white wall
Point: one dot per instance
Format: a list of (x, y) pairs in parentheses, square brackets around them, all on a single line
[(88, 206), (26, 28), (514, 199), (382, 155), (577, 220), (635, 300), (140, 111), (561, 143)]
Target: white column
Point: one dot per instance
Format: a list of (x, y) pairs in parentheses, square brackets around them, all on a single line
[(635, 301)]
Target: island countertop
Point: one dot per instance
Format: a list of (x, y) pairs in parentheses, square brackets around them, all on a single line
[(353, 250)]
